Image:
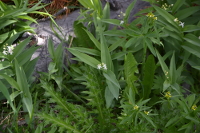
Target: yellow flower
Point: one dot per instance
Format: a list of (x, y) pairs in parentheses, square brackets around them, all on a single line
[(136, 107), (150, 14), (176, 20), (194, 107), (168, 95), (146, 112)]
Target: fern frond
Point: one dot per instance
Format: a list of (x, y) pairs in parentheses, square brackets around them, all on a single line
[(52, 119), (130, 68)]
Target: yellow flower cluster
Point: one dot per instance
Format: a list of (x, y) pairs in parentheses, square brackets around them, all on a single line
[(146, 112), (136, 107), (168, 95), (151, 15), (194, 107)]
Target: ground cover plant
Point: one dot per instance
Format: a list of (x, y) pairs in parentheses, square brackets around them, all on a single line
[(139, 76)]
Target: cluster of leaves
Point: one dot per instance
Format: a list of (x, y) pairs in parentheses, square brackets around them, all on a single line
[(133, 76)]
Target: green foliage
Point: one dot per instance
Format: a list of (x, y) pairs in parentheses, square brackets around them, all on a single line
[(149, 71), (15, 20), (141, 78)]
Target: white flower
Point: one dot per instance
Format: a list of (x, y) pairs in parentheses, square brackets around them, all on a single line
[(104, 66), (199, 37), (121, 22), (10, 49), (5, 52), (181, 24), (99, 66)]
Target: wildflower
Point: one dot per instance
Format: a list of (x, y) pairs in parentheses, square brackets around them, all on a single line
[(194, 107), (136, 107), (5, 52), (176, 20), (181, 24), (121, 22), (150, 15), (168, 95), (99, 66), (146, 112), (102, 65), (199, 37), (10, 49)]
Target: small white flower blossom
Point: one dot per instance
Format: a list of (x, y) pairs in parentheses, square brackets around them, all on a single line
[(176, 19), (181, 24), (121, 22), (10, 49), (104, 66), (5, 52), (99, 66), (199, 37)]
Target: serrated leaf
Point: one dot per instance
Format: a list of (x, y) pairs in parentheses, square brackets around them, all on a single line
[(149, 70)]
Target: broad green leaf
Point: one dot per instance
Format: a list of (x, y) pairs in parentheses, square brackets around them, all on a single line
[(112, 21), (149, 70), (192, 39), (24, 87), (148, 119), (109, 97), (6, 23), (51, 48), (119, 33), (105, 54), (185, 126), (86, 4), (192, 50), (109, 75), (27, 18), (163, 64), (14, 94), (166, 85), (85, 58), (117, 56), (150, 45), (177, 5), (4, 64), (25, 56), (172, 70), (172, 120), (193, 119), (11, 81), (87, 51), (113, 89), (182, 14), (19, 48), (5, 92), (118, 43), (191, 28), (82, 36), (29, 68), (128, 11), (191, 99), (95, 41)]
